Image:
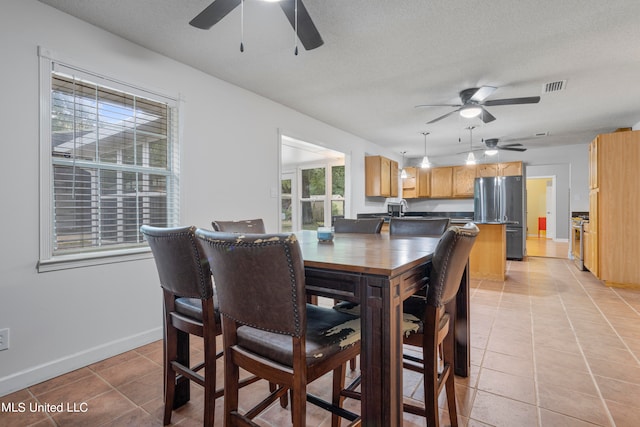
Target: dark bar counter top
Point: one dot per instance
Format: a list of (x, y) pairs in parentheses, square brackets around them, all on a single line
[(455, 217)]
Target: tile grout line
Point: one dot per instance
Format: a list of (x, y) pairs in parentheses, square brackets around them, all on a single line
[(533, 347), (493, 322), (593, 379)]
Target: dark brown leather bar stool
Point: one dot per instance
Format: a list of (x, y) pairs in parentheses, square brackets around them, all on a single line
[(418, 226), (364, 225), (190, 308), (268, 329), (434, 327), (431, 328), (253, 226)]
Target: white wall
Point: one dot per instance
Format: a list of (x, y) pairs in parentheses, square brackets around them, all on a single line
[(63, 320)]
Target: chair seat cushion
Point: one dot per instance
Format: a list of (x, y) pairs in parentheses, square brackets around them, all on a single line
[(328, 331), (410, 322), (192, 307), (414, 308)]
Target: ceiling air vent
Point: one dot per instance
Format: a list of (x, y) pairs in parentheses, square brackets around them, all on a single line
[(553, 87)]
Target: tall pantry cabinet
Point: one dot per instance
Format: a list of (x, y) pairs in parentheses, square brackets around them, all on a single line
[(614, 203)]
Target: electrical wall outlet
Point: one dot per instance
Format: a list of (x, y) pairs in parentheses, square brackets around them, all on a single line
[(4, 339)]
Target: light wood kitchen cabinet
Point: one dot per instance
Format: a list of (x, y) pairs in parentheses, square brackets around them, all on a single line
[(593, 164), (510, 169), (499, 169), (591, 260), (381, 177), (487, 170), (417, 184), (488, 257), (613, 208), (463, 180), (452, 181), (442, 182), (409, 184), (424, 183)]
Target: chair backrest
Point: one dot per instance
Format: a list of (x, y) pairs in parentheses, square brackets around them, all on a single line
[(252, 226), (363, 225), (448, 263), (182, 266), (418, 226), (259, 279)]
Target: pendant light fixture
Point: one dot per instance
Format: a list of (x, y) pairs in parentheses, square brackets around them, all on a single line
[(403, 171), (471, 158), (425, 160)]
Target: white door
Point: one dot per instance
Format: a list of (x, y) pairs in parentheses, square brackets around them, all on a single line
[(551, 209)]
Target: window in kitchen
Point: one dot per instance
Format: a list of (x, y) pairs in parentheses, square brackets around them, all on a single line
[(317, 205), (110, 164)]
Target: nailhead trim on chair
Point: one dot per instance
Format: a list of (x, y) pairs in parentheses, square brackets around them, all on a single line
[(273, 240), (205, 291)]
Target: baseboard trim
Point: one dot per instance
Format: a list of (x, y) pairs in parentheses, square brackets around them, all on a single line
[(54, 368)]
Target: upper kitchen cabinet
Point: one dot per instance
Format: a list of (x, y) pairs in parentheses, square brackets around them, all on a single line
[(463, 180), (510, 169), (442, 182), (417, 184), (499, 169), (593, 164), (381, 177), (487, 170), (614, 203)]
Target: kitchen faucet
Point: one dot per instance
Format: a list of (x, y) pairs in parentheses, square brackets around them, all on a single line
[(404, 207)]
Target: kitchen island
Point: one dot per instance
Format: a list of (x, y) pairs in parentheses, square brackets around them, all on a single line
[(488, 258)]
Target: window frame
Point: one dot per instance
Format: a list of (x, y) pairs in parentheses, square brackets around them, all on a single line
[(47, 260)]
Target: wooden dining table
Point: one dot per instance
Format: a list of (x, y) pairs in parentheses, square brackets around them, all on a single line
[(379, 271)]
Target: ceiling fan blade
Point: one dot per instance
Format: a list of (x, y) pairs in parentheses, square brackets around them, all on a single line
[(501, 147), (307, 31), (443, 116), (515, 144), (438, 105), (482, 93), (213, 13), (512, 101), (469, 151), (486, 116)]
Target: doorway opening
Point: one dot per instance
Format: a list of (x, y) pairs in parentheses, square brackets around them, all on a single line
[(313, 185), (541, 218)]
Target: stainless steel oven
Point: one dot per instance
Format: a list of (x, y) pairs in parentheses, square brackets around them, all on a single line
[(577, 242)]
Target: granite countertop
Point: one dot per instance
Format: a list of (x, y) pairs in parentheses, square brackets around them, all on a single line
[(455, 217)]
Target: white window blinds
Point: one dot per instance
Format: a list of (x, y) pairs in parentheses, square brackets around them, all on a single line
[(114, 163)]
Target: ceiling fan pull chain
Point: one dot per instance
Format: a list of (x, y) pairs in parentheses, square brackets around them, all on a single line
[(241, 25), (295, 36)]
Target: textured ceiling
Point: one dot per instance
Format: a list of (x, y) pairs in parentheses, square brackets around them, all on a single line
[(382, 57)]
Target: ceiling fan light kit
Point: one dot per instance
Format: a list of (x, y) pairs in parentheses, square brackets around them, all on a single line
[(470, 111), (472, 103)]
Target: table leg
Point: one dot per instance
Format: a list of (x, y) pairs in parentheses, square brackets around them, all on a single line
[(381, 356)]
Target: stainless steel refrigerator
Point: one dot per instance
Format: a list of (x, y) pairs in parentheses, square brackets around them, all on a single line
[(501, 200)]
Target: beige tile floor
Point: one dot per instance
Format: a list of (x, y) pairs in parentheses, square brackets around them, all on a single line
[(546, 247), (551, 346)]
